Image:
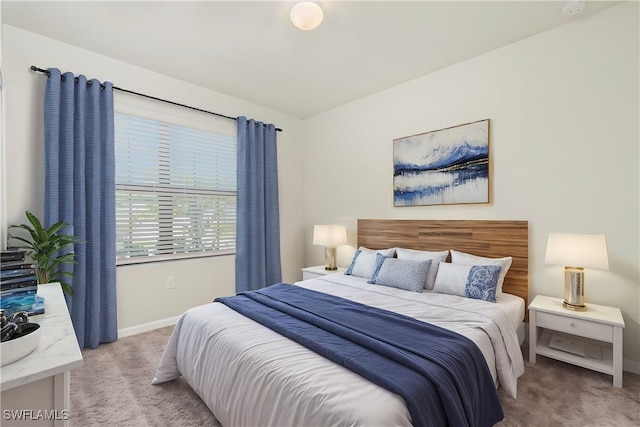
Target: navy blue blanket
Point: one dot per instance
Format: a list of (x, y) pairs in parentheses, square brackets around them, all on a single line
[(441, 375)]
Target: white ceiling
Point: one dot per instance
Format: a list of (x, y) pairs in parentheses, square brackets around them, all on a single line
[(250, 50)]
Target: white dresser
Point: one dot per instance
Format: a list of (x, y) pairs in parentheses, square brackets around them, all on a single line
[(35, 389)]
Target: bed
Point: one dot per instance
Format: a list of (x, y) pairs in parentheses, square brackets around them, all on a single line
[(248, 374)]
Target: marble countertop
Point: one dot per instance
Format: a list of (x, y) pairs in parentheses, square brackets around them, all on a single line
[(58, 350)]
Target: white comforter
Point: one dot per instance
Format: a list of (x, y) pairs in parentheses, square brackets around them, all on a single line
[(250, 375)]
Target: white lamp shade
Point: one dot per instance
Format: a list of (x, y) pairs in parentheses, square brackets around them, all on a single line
[(306, 15), (577, 250), (329, 235)]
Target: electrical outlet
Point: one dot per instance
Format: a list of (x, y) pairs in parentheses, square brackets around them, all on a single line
[(171, 282)]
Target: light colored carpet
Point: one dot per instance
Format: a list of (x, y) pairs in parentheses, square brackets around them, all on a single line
[(553, 393), (113, 387)]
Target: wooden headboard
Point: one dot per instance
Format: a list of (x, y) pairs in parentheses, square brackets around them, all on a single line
[(488, 238)]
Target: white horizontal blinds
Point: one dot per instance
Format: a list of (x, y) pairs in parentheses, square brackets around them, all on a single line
[(175, 190)]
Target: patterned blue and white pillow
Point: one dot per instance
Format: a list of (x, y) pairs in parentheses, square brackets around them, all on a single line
[(470, 259), (471, 281), (401, 274), (482, 282), (364, 261)]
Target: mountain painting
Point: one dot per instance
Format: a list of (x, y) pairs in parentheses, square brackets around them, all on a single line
[(442, 167)]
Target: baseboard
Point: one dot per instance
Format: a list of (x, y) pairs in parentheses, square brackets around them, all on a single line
[(631, 366), (145, 327)]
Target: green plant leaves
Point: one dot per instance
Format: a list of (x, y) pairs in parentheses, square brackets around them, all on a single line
[(44, 248)]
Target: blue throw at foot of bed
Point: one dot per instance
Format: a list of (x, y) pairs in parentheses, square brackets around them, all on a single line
[(441, 375)]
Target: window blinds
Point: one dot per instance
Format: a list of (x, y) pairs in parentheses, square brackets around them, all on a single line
[(175, 190)]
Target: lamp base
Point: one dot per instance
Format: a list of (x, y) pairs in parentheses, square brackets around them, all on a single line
[(574, 289), (574, 307), (330, 258)]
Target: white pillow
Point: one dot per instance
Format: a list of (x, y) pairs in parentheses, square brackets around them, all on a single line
[(400, 273), (469, 259), (471, 281), (415, 255), (364, 261)]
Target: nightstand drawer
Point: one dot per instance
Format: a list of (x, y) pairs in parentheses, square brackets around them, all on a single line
[(583, 328)]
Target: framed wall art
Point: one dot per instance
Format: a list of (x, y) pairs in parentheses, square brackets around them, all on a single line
[(442, 167)]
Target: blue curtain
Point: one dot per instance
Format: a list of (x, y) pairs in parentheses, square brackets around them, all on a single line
[(258, 217), (80, 190)]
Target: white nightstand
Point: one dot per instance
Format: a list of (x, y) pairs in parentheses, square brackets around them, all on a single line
[(599, 329), (318, 270)]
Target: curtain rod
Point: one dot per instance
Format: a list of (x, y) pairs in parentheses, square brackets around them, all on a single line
[(41, 70)]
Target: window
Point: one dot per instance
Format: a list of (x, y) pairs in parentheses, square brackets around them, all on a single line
[(175, 190)]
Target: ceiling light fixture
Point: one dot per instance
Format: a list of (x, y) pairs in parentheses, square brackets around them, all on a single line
[(573, 7), (306, 15)]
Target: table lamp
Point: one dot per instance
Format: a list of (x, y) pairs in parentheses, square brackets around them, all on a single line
[(329, 236), (575, 252)]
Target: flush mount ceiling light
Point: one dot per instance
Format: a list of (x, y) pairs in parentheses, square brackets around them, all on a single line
[(306, 15), (573, 7)]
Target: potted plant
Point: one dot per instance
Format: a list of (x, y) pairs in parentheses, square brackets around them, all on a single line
[(44, 248)]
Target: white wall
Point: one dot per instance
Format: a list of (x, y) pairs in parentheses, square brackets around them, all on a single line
[(564, 110), (142, 294)]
